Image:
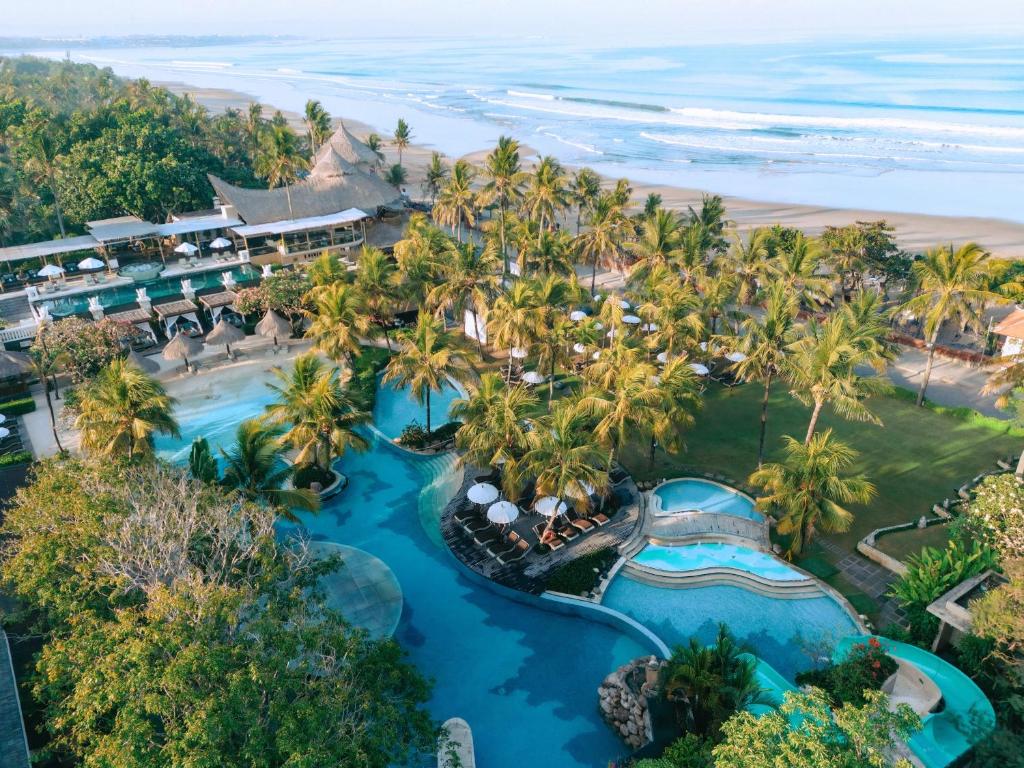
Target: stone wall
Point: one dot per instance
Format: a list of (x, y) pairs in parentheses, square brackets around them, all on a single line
[(622, 698)]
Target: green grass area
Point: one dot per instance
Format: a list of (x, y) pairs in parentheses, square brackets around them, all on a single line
[(917, 458), (901, 544)]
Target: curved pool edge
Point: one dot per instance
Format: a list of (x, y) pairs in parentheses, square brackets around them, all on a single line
[(656, 505)]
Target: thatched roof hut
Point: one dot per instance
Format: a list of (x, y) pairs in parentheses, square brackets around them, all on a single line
[(348, 147), (224, 333), (14, 364), (273, 326), (181, 347)]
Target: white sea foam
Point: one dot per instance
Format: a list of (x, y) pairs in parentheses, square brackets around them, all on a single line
[(578, 145), (202, 64), (531, 95)]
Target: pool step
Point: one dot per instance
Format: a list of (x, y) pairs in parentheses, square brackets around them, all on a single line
[(707, 577)]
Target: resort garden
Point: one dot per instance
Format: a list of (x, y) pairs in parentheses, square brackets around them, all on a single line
[(179, 612)]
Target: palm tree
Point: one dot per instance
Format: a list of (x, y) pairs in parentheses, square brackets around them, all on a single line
[(765, 342), (626, 410), (652, 204), (717, 293), (280, 161), (554, 347), (375, 281), (746, 260), (808, 490), (403, 134), (600, 242), (680, 390), (255, 467), (201, 464), (470, 281), (456, 202), (45, 363), (41, 135), (797, 267), (318, 124), (513, 320), (867, 321), (395, 176), (951, 285), (120, 411), (435, 176), (327, 270), (426, 361), (658, 244), (254, 124), (505, 180), (712, 221), (584, 189), (694, 245), (546, 194), (376, 145), (422, 256), (551, 256), (319, 416), (337, 321)]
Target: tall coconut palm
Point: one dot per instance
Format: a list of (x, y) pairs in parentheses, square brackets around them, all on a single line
[(327, 270), (376, 145), (712, 221), (809, 490), (319, 416), (426, 359), (601, 241), (717, 293), (435, 176), (951, 285), (513, 320), (626, 410), (402, 137), (584, 189), (255, 467), (376, 276), (554, 349), (505, 179), (546, 194), (120, 411), (746, 260), (456, 202), (254, 124), (765, 341), (41, 136), (337, 321), (280, 160), (867, 321), (822, 368), (551, 256), (694, 247), (797, 267), (470, 281), (658, 244), (421, 257), (318, 124)]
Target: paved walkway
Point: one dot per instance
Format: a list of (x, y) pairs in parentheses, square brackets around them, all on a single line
[(952, 382), (870, 578)]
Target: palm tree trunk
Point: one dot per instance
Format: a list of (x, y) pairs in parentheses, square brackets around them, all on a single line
[(291, 213), (504, 253), (56, 203), (508, 376), (551, 384), (593, 277), (814, 421), (53, 418), (428, 413), (764, 419), (476, 329), (387, 337), (927, 369), (1020, 467)]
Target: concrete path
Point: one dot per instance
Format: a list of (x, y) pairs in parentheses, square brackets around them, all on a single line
[(952, 383)]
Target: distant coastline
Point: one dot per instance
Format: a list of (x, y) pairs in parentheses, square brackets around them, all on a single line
[(915, 232)]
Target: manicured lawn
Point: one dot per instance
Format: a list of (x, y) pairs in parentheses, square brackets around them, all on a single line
[(916, 459), (901, 544)]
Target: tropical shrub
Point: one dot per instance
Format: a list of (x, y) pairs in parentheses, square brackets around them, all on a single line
[(688, 751), (17, 457), (865, 669), (18, 407), (285, 292), (995, 516), (86, 346), (931, 574), (414, 435), (582, 574)]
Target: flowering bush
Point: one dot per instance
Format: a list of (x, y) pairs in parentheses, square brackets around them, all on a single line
[(995, 516), (865, 668), (87, 346), (284, 292), (251, 301)]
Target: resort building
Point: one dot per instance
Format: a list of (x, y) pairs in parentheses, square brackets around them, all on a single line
[(953, 609), (166, 276), (1011, 329)]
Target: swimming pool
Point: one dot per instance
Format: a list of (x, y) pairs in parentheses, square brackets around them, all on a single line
[(692, 557), (520, 675), (397, 408), (791, 635), (692, 494)]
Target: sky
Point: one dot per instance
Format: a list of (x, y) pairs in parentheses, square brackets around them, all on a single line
[(622, 21)]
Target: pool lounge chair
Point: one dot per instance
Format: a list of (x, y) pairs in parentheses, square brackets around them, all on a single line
[(568, 533), (462, 515), (599, 519), (519, 550), (486, 536), (583, 525), (473, 526)]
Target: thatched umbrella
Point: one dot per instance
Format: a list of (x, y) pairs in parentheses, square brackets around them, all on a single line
[(144, 364), (181, 347), (224, 333), (14, 364), (273, 326)]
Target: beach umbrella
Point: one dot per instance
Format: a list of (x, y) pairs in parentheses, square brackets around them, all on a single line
[(51, 270), (549, 506), (520, 353), (220, 244), (482, 493), (502, 512), (4, 432), (144, 364), (624, 304), (597, 297), (700, 369), (2, 418), (579, 348), (533, 377), (655, 380), (186, 249), (704, 346), (577, 315), (13, 364), (274, 326), (91, 263), (181, 347), (598, 326), (224, 333), (596, 355), (662, 357), (648, 327), (631, 320), (735, 357)]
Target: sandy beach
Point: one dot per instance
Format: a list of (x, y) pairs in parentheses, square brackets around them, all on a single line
[(915, 232)]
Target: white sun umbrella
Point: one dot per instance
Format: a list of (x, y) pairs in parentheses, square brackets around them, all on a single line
[(597, 297), (91, 263), (596, 355), (2, 418), (549, 506), (648, 327), (704, 346), (579, 348), (4, 432), (577, 315), (662, 357), (482, 493), (700, 369), (502, 512), (220, 243), (735, 357), (520, 353), (51, 270), (187, 249), (624, 304), (534, 377), (599, 326), (631, 320)]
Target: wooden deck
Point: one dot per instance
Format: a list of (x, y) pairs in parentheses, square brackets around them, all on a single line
[(530, 574)]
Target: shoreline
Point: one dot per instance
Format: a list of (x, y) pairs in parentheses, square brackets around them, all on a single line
[(915, 232)]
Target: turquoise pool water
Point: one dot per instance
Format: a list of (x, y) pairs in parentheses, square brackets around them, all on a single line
[(690, 494), (791, 635), (692, 557), (396, 408), (524, 678)]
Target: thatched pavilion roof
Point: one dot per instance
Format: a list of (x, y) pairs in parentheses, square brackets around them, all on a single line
[(144, 364), (348, 147), (274, 326), (224, 333), (181, 347)]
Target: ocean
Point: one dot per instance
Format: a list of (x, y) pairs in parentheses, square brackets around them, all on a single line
[(925, 127)]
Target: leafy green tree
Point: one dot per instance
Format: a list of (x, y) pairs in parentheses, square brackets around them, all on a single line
[(810, 734), (688, 751), (601, 242), (327, 270), (469, 281), (994, 516), (376, 276), (546, 193), (796, 265), (422, 256), (254, 124), (746, 260), (999, 616), (658, 244), (85, 347), (41, 135), (513, 320), (396, 175), (45, 363), (402, 137), (808, 489)]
